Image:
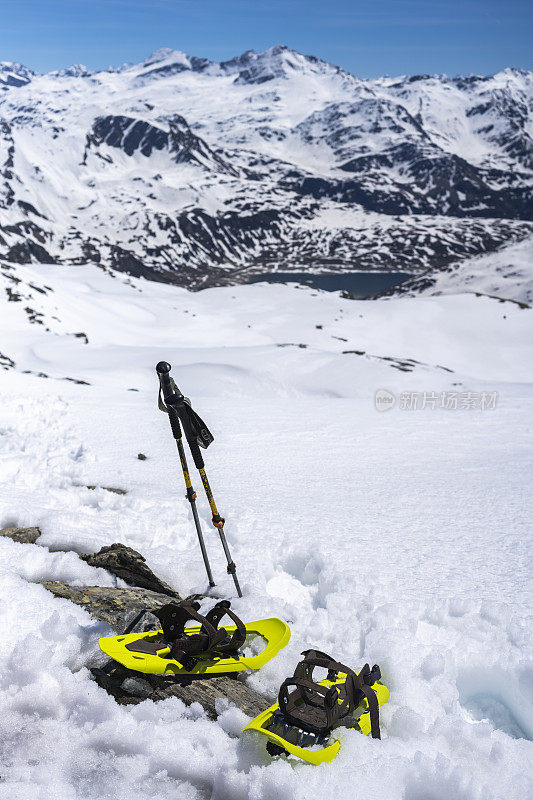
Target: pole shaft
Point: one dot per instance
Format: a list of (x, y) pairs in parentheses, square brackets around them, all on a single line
[(184, 465), (230, 561), (191, 497), (218, 522)]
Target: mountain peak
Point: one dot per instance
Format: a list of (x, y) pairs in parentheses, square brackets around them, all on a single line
[(278, 61), (74, 71), (14, 74), (166, 54), (166, 62)]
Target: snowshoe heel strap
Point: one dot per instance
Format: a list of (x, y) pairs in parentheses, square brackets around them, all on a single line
[(238, 637), (365, 679), (307, 716), (316, 707), (316, 658), (373, 707)]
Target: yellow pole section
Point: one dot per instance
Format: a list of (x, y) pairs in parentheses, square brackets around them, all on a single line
[(209, 493), (184, 466)]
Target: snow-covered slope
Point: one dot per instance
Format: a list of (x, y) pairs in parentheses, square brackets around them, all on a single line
[(399, 538), (506, 274), (193, 171)]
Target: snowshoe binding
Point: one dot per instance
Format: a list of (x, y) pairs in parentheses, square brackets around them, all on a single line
[(204, 649), (302, 722)]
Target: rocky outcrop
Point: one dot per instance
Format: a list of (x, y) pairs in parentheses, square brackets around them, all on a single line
[(129, 565), (109, 604), (21, 535), (131, 135)]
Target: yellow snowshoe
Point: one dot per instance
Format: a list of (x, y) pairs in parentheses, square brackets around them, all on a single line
[(204, 649), (302, 722)]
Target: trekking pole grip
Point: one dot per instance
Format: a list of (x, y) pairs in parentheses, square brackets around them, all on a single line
[(167, 390), (196, 454), (174, 422), (163, 371)]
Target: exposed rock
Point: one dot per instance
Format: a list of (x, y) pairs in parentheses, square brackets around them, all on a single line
[(129, 688), (112, 489), (131, 135), (6, 362), (21, 535), (118, 607), (129, 565), (108, 604), (207, 692)]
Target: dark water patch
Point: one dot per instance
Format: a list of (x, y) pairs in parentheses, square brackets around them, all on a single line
[(358, 284)]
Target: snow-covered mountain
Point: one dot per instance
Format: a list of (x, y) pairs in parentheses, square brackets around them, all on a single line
[(191, 171)]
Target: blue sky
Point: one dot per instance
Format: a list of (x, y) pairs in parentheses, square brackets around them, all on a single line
[(368, 38)]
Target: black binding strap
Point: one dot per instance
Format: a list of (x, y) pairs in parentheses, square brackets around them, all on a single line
[(238, 637), (194, 427), (290, 704), (174, 617), (365, 687), (316, 658), (316, 708), (185, 647)]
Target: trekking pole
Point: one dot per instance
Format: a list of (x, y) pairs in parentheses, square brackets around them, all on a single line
[(218, 522), (167, 390), (197, 435)]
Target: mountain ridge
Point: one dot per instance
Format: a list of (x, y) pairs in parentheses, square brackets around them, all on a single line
[(193, 171)]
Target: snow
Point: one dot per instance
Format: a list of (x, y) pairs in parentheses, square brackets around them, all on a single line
[(505, 274), (399, 538), (307, 120)]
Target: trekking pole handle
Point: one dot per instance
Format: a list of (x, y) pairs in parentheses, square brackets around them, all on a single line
[(196, 455), (168, 392), (175, 402), (165, 381)]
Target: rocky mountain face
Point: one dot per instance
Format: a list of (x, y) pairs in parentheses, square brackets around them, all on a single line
[(195, 172)]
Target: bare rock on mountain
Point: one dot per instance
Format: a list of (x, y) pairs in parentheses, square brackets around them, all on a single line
[(115, 606), (128, 564), (21, 535)]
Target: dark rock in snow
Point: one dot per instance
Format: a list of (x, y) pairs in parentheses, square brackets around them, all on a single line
[(112, 489), (131, 134), (109, 604), (6, 362), (129, 565), (21, 535), (208, 691)]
